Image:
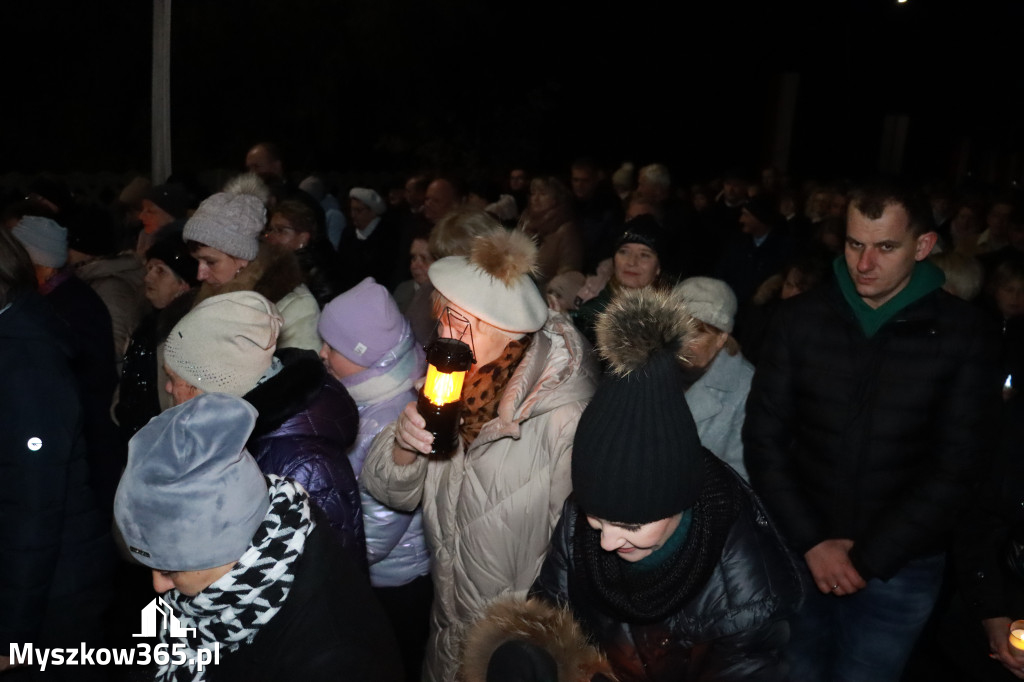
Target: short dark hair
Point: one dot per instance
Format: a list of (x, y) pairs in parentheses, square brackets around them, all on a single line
[(17, 274), (871, 199)]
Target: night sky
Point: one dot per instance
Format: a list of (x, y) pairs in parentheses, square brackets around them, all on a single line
[(395, 85)]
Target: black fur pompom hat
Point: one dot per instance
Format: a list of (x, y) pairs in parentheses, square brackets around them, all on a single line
[(636, 456)]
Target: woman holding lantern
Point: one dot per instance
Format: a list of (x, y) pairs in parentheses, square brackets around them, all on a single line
[(490, 505)]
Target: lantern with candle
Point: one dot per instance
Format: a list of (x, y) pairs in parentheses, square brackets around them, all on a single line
[(1017, 634), (449, 357)]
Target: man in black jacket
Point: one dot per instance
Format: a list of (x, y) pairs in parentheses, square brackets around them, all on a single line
[(865, 429)]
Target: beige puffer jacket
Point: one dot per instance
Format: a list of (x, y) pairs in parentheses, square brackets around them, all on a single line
[(489, 512)]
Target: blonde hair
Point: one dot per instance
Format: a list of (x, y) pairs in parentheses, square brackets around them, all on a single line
[(454, 234)]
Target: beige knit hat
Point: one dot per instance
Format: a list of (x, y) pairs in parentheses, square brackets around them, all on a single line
[(226, 343), (709, 300)]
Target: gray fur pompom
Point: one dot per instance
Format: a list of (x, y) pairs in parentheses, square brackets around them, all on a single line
[(639, 322)]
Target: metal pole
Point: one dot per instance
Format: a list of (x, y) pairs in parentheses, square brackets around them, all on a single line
[(160, 132)]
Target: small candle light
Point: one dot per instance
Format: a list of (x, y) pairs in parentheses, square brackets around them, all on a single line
[(1017, 634), (440, 401)]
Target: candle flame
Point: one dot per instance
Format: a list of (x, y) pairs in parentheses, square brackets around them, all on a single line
[(441, 388)]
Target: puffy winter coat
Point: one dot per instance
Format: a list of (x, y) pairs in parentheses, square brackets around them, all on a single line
[(717, 402), (57, 551), (306, 423), (396, 546), (874, 439), (119, 282), (734, 628), (489, 510)]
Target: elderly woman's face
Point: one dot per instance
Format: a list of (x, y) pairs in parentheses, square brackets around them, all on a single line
[(162, 284), (633, 542), (280, 232), (419, 261), (217, 267), (180, 390), (636, 266), (705, 346), (362, 215)]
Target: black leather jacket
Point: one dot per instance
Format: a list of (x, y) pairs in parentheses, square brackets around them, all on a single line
[(734, 628)]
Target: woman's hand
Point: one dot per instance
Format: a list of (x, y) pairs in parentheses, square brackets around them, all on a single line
[(998, 631), (411, 438)]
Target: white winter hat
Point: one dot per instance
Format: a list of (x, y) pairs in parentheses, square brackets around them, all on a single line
[(494, 282), (709, 300), (226, 343), (368, 197)]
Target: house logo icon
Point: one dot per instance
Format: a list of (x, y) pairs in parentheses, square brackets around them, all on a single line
[(158, 608)]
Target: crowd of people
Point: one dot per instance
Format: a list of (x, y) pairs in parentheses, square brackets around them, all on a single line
[(746, 430)]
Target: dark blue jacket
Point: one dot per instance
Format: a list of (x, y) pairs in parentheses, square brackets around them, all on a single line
[(306, 423), (57, 553)]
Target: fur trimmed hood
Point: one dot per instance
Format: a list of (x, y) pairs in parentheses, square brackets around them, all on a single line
[(537, 622), (274, 274)]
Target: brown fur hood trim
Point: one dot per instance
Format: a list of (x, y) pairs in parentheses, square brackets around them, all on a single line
[(273, 274), (539, 623), (639, 322)]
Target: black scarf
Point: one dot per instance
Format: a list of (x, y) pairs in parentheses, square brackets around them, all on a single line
[(647, 596)]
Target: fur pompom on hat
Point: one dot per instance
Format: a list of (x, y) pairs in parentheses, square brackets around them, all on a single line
[(639, 322), (494, 282), (226, 343), (368, 198), (637, 457), (231, 221), (533, 624), (709, 300)]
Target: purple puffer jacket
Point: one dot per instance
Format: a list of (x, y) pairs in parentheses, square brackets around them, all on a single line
[(306, 422)]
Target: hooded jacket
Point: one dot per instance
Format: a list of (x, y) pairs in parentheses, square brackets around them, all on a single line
[(489, 510), (717, 402), (306, 423), (276, 274)]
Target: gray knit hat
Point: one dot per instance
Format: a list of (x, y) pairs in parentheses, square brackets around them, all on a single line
[(229, 222), (45, 240), (368, 197), (226, 343), (709, 300), (191, 497)]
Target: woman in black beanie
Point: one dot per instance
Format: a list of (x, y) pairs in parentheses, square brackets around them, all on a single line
[(663, 555)]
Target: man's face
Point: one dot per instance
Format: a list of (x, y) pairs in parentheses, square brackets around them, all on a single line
[(584, 182), (414, 196), (439, 201), (751, 225), (734, 191), (517, 179), (881, 254), (258, 161)]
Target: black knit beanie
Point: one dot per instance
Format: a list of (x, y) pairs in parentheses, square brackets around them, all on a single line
[(637, 457), (643, 229)]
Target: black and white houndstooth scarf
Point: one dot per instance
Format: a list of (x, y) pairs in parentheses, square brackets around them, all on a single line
[(232, 609)]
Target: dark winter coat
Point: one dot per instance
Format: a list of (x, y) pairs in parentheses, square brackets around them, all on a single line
[(57, 552), (306, 423), (330, 628), (733, 628), (92, 361), (874, 439)]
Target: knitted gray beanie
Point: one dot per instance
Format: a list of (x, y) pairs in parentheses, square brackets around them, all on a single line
[(45, 240), (229, 222)]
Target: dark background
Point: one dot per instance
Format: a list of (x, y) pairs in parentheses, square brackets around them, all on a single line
[(396, 85)]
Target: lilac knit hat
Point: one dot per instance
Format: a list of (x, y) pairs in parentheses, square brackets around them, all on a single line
[(363, 323)]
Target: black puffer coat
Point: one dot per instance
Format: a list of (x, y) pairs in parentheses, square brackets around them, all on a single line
[(733, 628), (878, 439)]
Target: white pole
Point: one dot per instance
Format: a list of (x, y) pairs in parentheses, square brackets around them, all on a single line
[(160, 132)]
